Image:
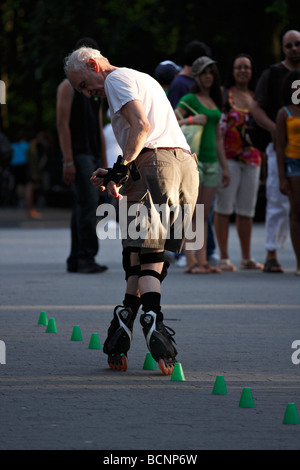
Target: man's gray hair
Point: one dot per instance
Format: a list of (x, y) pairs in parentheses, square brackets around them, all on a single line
[(76, 61)]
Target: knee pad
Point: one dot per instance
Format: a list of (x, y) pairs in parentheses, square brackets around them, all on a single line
[(154, 257), (130, 270)]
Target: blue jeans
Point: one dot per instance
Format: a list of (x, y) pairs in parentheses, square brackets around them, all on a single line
[(84, 240)]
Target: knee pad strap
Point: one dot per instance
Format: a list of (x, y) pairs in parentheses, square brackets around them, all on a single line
[(130, 270), (150, 272), (154, 257)]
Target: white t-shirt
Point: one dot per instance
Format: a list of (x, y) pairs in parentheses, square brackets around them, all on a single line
[(112, 147), (124, 85)]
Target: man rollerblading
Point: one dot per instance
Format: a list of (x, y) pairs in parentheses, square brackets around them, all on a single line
[(156, 172)]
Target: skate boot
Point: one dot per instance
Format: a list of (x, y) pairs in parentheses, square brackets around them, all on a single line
[(160, 341), (119, 338)]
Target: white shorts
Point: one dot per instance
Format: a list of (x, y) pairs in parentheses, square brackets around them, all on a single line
[(241, 194)]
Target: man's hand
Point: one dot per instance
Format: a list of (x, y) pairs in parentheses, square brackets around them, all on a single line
[(69, 174), (97, 180)]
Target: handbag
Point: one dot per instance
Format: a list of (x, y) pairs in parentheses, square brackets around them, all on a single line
[(192, 132)]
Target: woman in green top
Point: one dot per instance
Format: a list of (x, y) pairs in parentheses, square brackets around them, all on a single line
[(205, 101)]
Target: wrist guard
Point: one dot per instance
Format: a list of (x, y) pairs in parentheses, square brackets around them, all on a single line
[(119, 173)]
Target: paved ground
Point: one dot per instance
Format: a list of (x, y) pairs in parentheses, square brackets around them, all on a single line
[(59, 394)]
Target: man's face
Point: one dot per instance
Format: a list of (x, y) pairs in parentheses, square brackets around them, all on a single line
[(291, 46), (90, 83)]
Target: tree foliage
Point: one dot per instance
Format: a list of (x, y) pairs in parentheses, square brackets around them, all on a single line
[(35, 38)]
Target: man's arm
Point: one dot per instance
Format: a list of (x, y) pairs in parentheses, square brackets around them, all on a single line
[(261, 118), (281, 141), (259, 103), (139, 127), (134, 113), (63, 113)]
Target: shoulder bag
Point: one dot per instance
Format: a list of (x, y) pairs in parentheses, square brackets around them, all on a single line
[(192, 132)]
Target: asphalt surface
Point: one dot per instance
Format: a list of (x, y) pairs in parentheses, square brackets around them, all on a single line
[(58, 394)]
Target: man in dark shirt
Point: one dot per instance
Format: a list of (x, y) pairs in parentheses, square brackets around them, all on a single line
[(265, 106), (79, 126), (184, 81)]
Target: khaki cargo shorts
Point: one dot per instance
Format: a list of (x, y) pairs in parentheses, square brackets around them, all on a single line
[(157, 208)]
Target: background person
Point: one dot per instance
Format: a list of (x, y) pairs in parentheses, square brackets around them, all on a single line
[(23, 177), (165, 73), (206, 99), (265, 105), (288, 157), (80, 131), (185, 80), (244, 167)]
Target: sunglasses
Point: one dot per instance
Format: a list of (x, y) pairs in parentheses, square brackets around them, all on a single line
[(289, 45)]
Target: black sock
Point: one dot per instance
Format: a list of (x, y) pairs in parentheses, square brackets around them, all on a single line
[(132, 301), (151, 301)]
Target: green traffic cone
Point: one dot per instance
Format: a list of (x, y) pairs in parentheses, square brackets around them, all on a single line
[(149, 363), (291, 414), (51, 327), (177, 373), (43, 320), (94, 342), (76, 334), (220, 386), (246, 400)]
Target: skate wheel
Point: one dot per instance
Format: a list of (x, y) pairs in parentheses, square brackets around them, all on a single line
[(166, 367), (119, 362)]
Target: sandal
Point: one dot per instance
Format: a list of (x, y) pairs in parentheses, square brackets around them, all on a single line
[(250, 264), (212, 269), (196, 269), (272, 266), (226, 265)]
